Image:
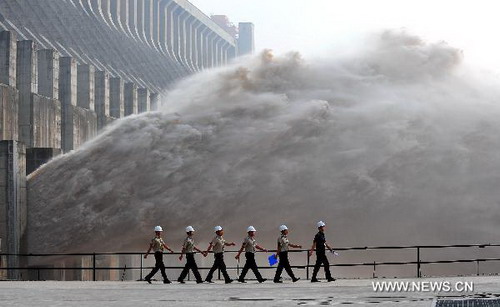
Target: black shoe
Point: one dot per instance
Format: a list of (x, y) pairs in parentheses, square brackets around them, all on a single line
[(277, 281), (295, 279), (166, 281), (331, 279), (181, 281), (199, 281), (148, 280), (229, 281), (314, 280), (242, 281), (262, 280), (209, 281)]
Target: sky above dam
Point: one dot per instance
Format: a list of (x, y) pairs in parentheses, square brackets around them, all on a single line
[(320, 27)]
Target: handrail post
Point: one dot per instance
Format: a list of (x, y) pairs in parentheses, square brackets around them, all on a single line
[(307, 267), (418, 263), (477, 268), (374, 269), (142, 264), (93, 266)]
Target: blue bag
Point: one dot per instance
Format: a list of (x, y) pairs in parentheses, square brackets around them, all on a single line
[(272, 259)]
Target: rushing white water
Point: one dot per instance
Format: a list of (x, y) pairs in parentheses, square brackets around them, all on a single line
[(396, 144)]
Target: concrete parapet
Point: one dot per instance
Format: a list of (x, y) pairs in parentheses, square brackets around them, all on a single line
[(101, 91), (48, 73), (116, 103), (13, 209), (36, 157), (130, 93), (85, 87), (143, 100), (26, 85), (9, 102), (8, 55)]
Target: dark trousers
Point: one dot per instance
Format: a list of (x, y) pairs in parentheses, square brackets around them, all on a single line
[(159, 265), (250, 264), (283, 264), (218, 264), (321, 259), (190, 264)]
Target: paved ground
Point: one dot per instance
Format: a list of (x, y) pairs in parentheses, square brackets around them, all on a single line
[(343, 292)]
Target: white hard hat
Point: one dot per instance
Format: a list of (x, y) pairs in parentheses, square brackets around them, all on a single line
[(158, 228), (189, 229), (283, 227), (217, 228), (251, 228), (321, 224)]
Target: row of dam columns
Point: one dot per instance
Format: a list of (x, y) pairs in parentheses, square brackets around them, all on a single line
[(49, 105), (175, 28)]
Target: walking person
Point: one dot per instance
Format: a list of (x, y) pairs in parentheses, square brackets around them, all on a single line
[(157, 245), (319, 243), (282, 253), (250, 245), (218, 243), (188, 248)]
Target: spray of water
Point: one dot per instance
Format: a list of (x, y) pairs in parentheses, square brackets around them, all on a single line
[(396, 144)]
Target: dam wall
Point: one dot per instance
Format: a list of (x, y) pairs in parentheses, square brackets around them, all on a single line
[(69, 68)]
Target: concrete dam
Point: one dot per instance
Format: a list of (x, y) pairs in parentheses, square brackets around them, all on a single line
[(68, 68)]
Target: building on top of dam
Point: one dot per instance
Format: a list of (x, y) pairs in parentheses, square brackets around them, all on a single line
[(70, 67)]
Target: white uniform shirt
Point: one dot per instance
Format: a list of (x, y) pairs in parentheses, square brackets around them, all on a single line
[(250, 244), (218, 244), (283, 243), (188, 245)]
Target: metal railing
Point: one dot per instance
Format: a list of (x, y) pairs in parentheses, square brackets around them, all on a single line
[(307, 265)]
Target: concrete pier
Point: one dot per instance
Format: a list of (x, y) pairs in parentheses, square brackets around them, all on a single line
[(9, 102), (85, 86), (130, 93), (26, 84), (48, 73), (68, 81), (13, 206), (155, 101), (84, 126), (68, 98), (116, 103), (8, 55), (78, 124), (101, 91), (143, 100), (46, 122)]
